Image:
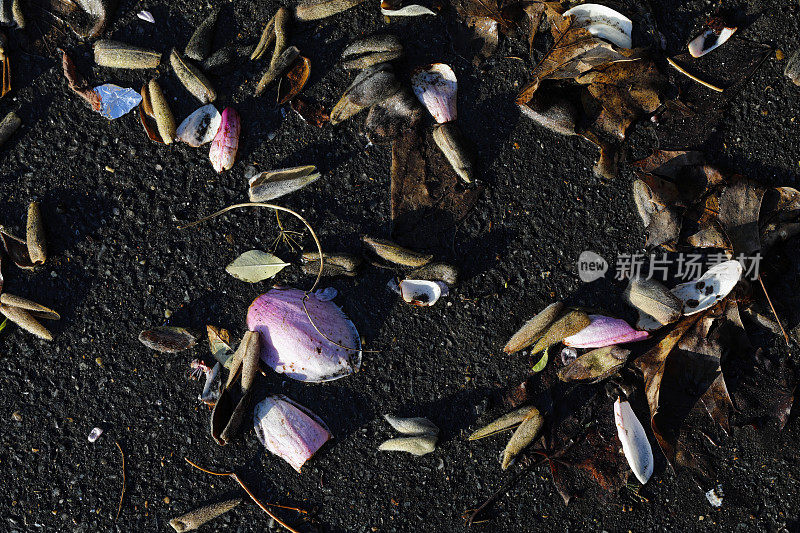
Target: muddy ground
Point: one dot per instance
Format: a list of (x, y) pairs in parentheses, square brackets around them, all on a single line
[(112, 201)]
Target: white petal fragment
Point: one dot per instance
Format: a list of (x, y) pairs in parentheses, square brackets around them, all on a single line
[(634, 441)]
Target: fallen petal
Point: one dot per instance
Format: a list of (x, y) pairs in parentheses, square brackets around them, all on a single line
[(710, 288), (412, 10), (226, 142), (436, 87), (291, 344), (200, 127), (604, 331), (603, 22), (634, 441), (289, 430), (712, 37), (421, 292), (146, 16)]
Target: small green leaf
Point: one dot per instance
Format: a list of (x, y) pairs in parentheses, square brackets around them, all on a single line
[(538, 367), (255, 266), (3, 325)]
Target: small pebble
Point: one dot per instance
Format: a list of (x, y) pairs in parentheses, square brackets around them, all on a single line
[(95, 434), (16, 416)]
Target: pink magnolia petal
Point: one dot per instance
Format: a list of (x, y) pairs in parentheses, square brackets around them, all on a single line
[(289, 430), (605, 331), (291, 344), (226, 142)]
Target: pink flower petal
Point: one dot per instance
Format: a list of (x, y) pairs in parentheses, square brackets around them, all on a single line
[(292, 345), (605, 331), (289, 430)]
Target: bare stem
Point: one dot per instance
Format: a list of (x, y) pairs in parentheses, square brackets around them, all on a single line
[(276, 208)]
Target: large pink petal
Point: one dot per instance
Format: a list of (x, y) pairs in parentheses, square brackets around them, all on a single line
[(605, 331), (290, 344)]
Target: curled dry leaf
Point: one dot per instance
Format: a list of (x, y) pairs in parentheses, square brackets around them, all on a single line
[(412, 426), (394, 253), (233, 403), (35, 238), (26, 321), (595, 365), (294, 80), (311, 112), (78, 83), (274, 184), (419, 445), (219, 342), (17, 249), (505, 422), (427, 196), (167, 339), (254, 266)]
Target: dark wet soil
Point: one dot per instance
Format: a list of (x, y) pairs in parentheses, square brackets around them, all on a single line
[(112, 201)]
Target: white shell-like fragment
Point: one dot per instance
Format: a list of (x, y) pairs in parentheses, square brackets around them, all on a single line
[(200, 127), (413, 10), (422, 292), (714, 496), (604, 23), (95, 434), (712, 287), (146, 16), (709, 40), (436, 87), (634, 441)]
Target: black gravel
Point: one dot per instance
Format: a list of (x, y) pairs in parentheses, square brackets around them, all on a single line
[(112, 201)]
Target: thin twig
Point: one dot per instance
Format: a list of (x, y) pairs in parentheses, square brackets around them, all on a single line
[(277, 208), (359, 349), (261, 505), (693, 77), (200, 468), (778, 320), (503, 488), (122, 494)]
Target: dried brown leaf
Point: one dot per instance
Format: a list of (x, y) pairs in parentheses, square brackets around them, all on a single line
[(427, 196), (78, 83), (294, 80), (311, 112)]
